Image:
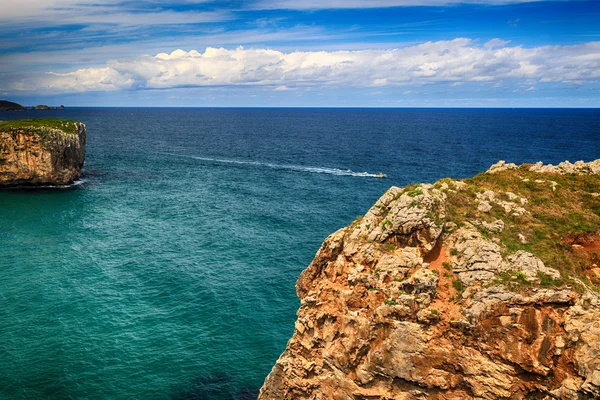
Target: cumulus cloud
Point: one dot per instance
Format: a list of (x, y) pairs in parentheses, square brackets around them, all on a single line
[(495, 43), (443, 62)]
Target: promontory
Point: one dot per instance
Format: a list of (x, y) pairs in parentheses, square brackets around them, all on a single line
[(41, 152), (482, 288)]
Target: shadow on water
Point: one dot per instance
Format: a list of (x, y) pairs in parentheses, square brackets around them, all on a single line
[(216, 387), (89, 177), (80, 184)]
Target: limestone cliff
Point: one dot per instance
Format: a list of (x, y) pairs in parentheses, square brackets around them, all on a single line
[(39, 152), (478, 288)]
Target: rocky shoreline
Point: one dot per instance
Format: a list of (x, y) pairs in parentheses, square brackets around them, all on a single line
[(481, 288), (41, 152)]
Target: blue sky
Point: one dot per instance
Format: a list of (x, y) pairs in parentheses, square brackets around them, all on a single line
[(360, 53)]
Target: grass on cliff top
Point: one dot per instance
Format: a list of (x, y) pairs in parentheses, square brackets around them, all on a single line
[(38, 124), (558, 218)]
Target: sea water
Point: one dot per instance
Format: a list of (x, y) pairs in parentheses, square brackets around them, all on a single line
[(169, 272)]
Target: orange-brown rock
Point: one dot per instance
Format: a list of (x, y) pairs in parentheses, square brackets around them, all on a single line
[(405, 304), (40, 155)]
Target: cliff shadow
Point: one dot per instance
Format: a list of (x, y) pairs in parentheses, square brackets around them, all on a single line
[(216, 387)]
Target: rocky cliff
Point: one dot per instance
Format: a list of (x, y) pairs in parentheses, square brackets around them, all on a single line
[(37, 152), (480, 288)]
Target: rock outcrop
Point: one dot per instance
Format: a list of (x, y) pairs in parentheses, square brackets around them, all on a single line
[(41, 152), (471, 289)]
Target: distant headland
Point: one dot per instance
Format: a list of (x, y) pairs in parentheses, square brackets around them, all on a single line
[(6, 105)]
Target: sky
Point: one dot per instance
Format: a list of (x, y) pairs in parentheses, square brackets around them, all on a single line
[(301, 53)]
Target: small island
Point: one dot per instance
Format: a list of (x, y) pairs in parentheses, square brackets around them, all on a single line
[(41, 152), (6, 105)]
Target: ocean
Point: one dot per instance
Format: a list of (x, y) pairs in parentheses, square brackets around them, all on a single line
[(169, 271)]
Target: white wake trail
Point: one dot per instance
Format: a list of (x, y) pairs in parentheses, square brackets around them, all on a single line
[(299, 168)]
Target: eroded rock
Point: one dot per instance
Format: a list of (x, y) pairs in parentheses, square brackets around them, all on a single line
[(41, 156), (405, 304)]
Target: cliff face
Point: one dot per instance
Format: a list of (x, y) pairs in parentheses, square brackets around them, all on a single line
[(41, 152), (482, 288)]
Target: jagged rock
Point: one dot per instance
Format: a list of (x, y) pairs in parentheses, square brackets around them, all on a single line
[(501, 166), (40, 155), (531, 266), (404, 217), (496, 226), (407, 304), (476, 259), (489, 198), (579, 167), (428, 315)]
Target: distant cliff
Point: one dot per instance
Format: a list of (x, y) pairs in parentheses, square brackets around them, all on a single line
[(37, 152), (6, 105), (480, 288)]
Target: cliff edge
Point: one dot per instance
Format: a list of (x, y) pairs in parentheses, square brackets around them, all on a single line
[(38, 152), (480, 288)]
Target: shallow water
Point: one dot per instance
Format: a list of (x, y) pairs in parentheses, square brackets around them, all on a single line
[(169, 273)]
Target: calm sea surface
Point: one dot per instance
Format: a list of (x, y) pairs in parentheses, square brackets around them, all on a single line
[(169, 273)]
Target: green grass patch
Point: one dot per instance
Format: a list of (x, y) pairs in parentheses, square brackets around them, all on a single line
[(522, 279), (415, 192), (547, 281), (458, 285), (553, 215), (39, 125), (389, 246)]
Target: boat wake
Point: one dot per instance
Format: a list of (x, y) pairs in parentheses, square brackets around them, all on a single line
[(298, 168)]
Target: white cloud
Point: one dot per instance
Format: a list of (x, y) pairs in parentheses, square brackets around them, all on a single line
[(44, 13), (340, 4), (495, 43), (284, 89), (444, 62)]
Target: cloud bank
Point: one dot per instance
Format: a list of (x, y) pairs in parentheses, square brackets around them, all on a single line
[(443, 62)]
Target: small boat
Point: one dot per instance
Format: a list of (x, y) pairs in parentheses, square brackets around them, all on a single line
[(380, 175)]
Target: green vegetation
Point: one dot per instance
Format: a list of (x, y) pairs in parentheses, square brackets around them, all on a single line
[(389, 302), (458, 285), (389, 246), (522, 279), (415, 192), (548, 281), (414, 204), (385, 224), (561, 211), (40, 125)]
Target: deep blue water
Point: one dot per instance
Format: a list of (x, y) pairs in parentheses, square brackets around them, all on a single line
[(169, 274)]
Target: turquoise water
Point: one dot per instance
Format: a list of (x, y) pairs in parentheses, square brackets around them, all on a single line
[(169, 273)]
